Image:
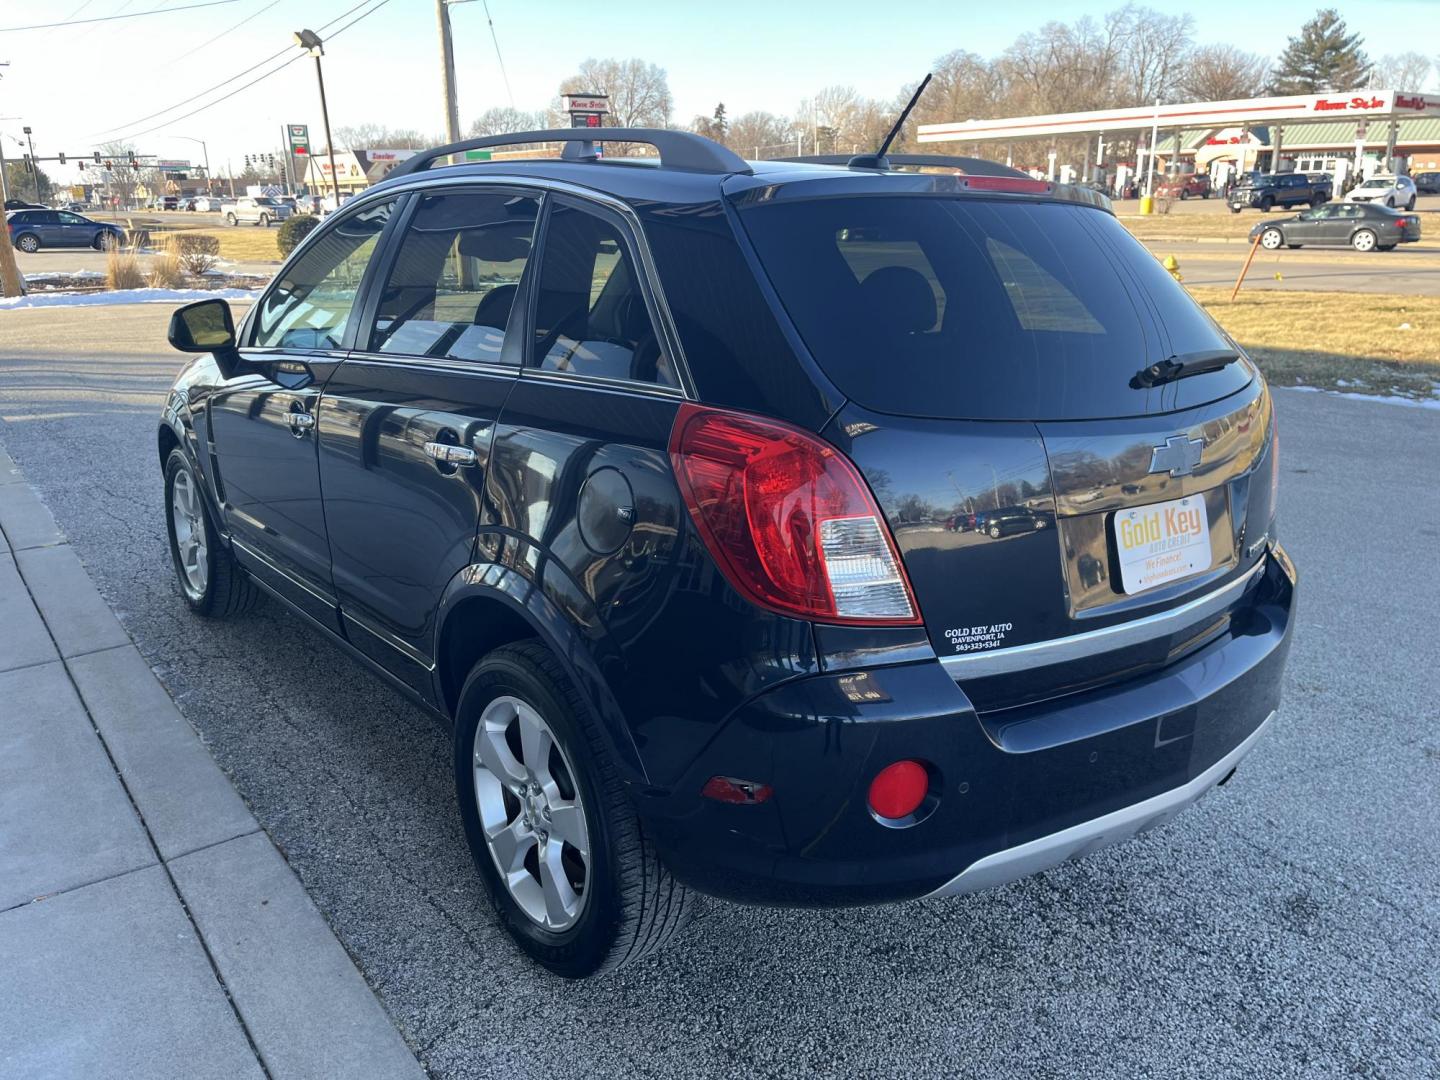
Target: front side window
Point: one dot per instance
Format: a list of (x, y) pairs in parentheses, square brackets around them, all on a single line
[(310, 303), (454, 281), (590, 312)]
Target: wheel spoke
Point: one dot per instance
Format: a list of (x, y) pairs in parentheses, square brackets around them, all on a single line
[(493, 753), (567, 823), (535, 743), (560, 898), (510, 843)]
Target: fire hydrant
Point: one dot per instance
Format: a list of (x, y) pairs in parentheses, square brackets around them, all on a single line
[(1172, 264)]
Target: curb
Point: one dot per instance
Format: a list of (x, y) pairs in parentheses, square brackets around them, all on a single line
[(148, 925)]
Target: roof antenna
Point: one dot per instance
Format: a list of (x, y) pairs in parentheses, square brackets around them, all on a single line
[(878, 160)]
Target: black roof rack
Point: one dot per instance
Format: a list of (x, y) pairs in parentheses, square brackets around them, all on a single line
[(677, 149), (973, 166)]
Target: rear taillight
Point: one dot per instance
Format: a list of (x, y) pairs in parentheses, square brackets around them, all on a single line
[(789, 520)]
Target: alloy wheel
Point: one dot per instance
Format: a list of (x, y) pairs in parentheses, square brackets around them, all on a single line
[(187, 520), (1364, 240), (28, 244), (531, 813), (1271, 239)]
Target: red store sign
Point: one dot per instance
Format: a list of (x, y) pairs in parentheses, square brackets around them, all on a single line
[(1327, 105)]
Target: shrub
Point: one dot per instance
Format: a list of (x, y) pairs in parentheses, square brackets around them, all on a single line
[(122, 269), (166, 270), (294, 229), (198, 254)]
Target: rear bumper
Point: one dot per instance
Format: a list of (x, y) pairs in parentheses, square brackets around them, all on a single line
[(1018, 790)]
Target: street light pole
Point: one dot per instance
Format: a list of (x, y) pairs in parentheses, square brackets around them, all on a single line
[(205, 151), (310, 41)]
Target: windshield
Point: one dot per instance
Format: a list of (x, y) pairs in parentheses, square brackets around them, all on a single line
[(1377, 183), (980, 308)]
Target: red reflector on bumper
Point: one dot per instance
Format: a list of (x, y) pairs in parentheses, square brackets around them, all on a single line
[(898, 790), (728, 789)]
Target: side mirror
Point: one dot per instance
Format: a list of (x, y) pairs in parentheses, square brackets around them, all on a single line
[(206, 326)]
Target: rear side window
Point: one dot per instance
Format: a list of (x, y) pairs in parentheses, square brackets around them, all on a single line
[(982, 309), (590, 313), (454, 281)]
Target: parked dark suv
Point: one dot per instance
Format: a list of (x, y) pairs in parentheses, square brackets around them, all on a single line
[(635, 473), (1264, 190)]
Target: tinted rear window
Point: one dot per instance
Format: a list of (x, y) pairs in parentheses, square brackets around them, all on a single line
[(983, 309)]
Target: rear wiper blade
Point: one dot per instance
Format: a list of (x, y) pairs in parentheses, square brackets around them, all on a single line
[(1183, 364)]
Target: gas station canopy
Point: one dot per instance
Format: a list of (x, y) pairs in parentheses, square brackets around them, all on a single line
[(1360, 105)]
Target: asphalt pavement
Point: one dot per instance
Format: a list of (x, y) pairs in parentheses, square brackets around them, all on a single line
[(1287, 927), (1411, 270)]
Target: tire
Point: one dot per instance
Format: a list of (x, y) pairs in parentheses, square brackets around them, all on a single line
[(1265, 204), (994, 532), (627, 905), (1411, 204), (231, 220), (1390, 201), (28, 243), (264, 221), (1293, 246), (1363, 240), (1384, 247), (220, 588), (1184, 194), (1271, 239), (104, 241)]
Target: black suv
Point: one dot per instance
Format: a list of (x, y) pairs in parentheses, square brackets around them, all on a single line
[(635, 473), (1264, 190)]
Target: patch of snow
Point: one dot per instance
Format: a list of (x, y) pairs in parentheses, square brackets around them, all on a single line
[(60, 275), (1383, 399), (124, 296)]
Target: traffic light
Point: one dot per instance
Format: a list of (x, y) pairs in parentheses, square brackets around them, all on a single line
[(272, 160), (97, 157), (62, 157), (247, 161), (132, 159)]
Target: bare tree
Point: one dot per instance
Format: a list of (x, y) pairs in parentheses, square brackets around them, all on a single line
[(1407, 71), (1152, 47), (505, 119), (378, 136), (639, 92), (760, 135), (1222, 73)]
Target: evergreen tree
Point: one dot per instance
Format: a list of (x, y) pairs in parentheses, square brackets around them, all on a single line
[(1325, 56), (718, 123)]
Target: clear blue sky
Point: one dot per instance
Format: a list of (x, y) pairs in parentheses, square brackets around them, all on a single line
[(73, 84)]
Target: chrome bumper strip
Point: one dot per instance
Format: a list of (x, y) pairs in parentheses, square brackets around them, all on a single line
[(1079, 840), (978, 665)]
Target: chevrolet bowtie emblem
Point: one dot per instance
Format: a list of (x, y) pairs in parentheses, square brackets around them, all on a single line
[(1178, 456)]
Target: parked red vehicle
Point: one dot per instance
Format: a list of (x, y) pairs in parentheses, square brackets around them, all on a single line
[(1184, 187)]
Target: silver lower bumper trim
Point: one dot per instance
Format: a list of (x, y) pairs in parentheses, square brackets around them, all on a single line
[(980, 665), (1080, 840)]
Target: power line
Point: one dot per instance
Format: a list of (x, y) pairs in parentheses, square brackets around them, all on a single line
[(224, 82), (498, 58), (223, 33), (112, 18), (260, 78)]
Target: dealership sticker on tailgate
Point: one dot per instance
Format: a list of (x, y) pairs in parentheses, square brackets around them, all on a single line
[(1161, 543)]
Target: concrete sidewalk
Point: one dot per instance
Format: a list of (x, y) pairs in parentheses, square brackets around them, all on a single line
[(148, 927)]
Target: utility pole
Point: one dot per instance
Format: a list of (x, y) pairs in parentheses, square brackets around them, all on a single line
[(447, 73), (11, 283)]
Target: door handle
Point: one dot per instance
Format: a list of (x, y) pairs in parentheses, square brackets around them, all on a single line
[(300, 423), (449, 454)]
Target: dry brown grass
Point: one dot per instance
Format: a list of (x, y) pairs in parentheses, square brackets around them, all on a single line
[(1178, 226), (1386, 343), (167, 271), (122, 269), (196, 251), (243, 243)]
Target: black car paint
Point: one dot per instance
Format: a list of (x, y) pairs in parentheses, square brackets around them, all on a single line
[(1264, 190), (690, 680)]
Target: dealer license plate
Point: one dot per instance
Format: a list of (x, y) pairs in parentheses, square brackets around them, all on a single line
[(1162, 542)]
